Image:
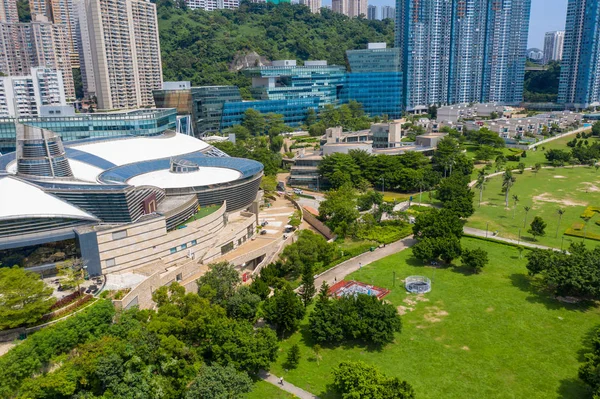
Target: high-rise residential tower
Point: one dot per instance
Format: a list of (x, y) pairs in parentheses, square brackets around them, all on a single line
[(553, 46), (580, 67), (462, 50), (211, 5), (119, 45), (340, 6), (371, 12), (388, 12), (314, 5), (36, 44), (8, 11), (357, 8)]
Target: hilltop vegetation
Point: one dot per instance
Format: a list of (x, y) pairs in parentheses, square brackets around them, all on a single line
[(199, 46)]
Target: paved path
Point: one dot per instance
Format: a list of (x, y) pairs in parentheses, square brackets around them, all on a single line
[(294, 390), (340, 271), (560, 136), (482, 233)]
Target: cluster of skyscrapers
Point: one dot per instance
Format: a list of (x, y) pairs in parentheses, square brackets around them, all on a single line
[(387, 12), (114, 42)]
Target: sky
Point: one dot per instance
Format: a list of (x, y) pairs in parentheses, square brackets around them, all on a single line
[(546, 16)]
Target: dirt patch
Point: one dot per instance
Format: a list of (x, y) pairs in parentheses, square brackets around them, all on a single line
[(559, 177), (402, 310), (589, 188), (546, 197), (465, 348), (434, 314), (421, 327), (409, 301), (438, 338), (421, 298), (490, 309)]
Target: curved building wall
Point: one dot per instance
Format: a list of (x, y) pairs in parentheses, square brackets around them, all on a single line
[(15, 233)]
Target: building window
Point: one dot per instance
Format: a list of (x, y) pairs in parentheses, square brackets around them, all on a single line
[(117, 235), (173, 250), (179, 277), (110, 262), (183, 246), (226, 248), (194, 242)]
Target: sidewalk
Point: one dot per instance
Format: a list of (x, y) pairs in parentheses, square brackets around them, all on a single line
[(482, 233), (340, 271), (294, 390)]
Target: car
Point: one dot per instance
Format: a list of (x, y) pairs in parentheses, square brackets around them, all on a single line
[(297, 191), (263, 232)]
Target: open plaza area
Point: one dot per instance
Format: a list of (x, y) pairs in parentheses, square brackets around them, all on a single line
[(491, 335)]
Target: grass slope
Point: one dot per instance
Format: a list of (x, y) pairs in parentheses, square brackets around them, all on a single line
[(478, 336), (545, 193), (265, 390)]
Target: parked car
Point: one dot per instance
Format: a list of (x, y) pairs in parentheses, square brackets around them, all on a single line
[(263, 232), (297, 191)]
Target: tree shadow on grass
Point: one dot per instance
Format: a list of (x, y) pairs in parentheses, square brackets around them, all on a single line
[(539, 294), (308, 340), (573, 388), (329, 393), (587, 345)]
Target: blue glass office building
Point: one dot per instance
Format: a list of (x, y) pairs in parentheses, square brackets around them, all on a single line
[(142, 122), (294, 111)]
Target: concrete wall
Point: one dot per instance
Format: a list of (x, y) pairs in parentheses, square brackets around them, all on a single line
[(148, 241)]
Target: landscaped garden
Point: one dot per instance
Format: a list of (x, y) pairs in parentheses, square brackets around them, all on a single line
[(543, 193), (488, 335)]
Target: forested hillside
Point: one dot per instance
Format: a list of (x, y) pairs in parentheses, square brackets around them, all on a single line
[(200, 45), (542, 86)]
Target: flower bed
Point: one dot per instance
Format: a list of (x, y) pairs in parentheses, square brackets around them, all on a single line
[(66, 300)]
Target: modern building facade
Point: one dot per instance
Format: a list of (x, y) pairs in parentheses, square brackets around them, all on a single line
[(553, 46), (579, 85), (375, 80), (122, 49), (388, 12), (22, 96), (314, 5), (36, 44), (127, 202), (372, 12), (71, 127), (462, 50)]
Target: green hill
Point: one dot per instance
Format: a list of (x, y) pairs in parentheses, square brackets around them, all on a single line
[(200, 45)]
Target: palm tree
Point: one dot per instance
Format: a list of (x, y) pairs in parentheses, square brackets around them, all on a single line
[(480, 184), (527, 209), (560, 212), (515, 200), (507, 182)]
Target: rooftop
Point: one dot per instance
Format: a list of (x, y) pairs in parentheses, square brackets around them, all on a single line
[(205, 176)]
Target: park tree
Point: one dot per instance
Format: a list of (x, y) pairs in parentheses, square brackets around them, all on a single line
[(448, 248), (254, 121), (243, 304), (455, 194), (72, 273), (284, 310), (276, 143), (515, 202), (596, 129), (307, 289), (437, 223), (311, 117), (526, 209), (426, 249), (536, 168), (521, 167), (218, 382), (24, 297), (560, 212), (480, 184), (589, 372), (218, 284), (293, 357), (309, 249), (261, 288), (338, 210), (537, 227), (358, 380), (508, 180), (474, 259)]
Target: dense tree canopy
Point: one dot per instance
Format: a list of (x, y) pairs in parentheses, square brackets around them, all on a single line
[(24, 297), (542, 86), (200, 45), (358, 380)]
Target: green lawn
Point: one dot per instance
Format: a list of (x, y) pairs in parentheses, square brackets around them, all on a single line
[(202, 212), (474, 336), (571, 189), (264, 390)]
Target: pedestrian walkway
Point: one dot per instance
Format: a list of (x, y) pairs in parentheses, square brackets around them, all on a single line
[(294, 390), (339, 272), (485, 234)]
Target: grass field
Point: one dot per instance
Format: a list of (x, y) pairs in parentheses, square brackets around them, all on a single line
[(571, 189), (475, 336), (264, 390)]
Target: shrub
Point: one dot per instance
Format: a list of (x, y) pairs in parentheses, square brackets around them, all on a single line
[(66, 300)]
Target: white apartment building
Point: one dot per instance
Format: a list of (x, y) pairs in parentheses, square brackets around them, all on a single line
[(36, 44), (211, 5), (119, 46), (314, 5), (553, 46), (22, 96), (8, 11)]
